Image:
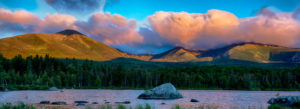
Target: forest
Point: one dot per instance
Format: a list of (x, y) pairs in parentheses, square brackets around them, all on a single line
[(43, 72)]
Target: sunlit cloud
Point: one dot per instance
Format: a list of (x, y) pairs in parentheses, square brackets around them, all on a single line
[(218, 28), (165, 30), (191, 30), (26, 22), (110, 29)]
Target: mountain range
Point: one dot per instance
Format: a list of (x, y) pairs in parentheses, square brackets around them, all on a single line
[(73, 44)]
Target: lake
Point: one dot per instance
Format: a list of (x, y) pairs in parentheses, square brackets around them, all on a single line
[(222, 99)]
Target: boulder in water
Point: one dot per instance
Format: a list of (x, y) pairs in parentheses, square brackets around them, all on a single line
[(124, 102), (59, 103), (164, 91), (284, 100), (194, 100), (45, 102), (81, 102), (95, 103)]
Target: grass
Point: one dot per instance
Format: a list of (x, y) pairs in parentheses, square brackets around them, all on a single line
[(147, 106), (282, 107), (199, 107), (105, 107), (18, 106)]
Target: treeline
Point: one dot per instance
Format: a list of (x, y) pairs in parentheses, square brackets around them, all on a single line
[(36, 72)]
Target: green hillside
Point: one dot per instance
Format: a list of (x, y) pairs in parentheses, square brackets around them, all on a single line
[(261, 53), (180, 54), (65, 44)]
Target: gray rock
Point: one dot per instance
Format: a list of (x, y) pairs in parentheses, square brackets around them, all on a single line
[(124, 102), (53, 89), (95, 103), (194, 100), (59, 103), (284, 100), (45, 102), (81, 102), (164, 91)]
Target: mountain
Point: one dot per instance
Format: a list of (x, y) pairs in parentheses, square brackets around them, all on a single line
[(249, 51), (263, 53), (64, 44), (73, 44), (180, 54)]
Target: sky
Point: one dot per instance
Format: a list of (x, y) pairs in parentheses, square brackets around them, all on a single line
[(154, 26)]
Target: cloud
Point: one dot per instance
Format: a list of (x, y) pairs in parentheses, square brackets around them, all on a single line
[(25, 22), (190, 30), (280, 29), (165, 30), (217, 28), (266, 12), (79, 6), (57, 22), (110, 29), (21, 17)]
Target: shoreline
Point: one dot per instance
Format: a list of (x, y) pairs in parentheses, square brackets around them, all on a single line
[(145, 89), (115, 88)]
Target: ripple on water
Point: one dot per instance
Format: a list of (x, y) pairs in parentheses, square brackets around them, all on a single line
[(211, 98)]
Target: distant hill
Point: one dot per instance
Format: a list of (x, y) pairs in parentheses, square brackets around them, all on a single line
[(73, 44), (252, 52), (64, 44), (180, 54)]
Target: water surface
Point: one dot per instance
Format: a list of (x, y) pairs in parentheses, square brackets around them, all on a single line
[(216, 98)]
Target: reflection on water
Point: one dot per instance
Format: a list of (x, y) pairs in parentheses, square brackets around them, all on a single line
[(220, 99)]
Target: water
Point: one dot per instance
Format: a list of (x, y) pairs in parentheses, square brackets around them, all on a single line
[(221, 98)]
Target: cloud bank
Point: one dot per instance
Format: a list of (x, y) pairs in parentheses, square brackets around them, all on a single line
[(110, 29), (217, 28), (26, 22), (165, 30)]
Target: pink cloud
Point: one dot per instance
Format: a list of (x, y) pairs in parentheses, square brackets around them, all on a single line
[(217, 28), (111, 29), (26, 22), (190, 30), (166, 29), (20, 17), (280, 29)]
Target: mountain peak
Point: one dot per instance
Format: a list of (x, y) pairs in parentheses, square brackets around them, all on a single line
[(69, 32)]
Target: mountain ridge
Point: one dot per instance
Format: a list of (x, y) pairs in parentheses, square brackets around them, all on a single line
[(73, 44), (58, 46)]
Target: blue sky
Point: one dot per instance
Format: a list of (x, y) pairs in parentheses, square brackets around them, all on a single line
[(140, 9)]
